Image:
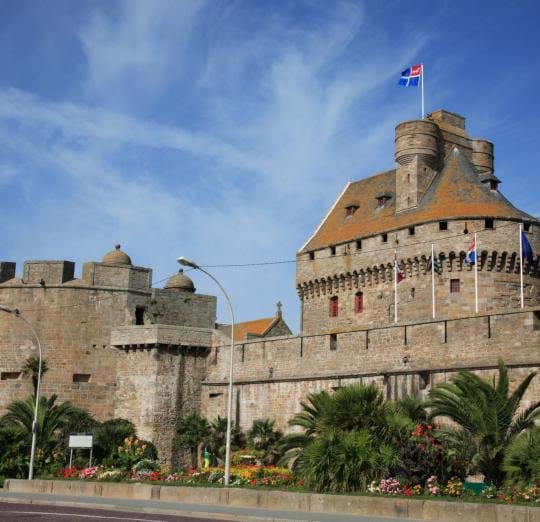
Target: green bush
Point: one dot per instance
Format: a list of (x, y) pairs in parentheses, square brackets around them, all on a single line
[(522, 459)]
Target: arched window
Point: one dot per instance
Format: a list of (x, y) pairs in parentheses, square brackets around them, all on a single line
[(334, 306), (359, 302)]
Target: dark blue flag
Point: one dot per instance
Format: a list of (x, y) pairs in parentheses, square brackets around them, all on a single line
[(526, 249)]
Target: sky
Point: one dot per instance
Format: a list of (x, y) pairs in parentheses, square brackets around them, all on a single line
[(224, 130)]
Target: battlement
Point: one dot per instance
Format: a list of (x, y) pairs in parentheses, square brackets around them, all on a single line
[(274, 375)]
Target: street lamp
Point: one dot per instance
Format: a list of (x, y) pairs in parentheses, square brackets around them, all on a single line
[(186, 262), (16, 313)]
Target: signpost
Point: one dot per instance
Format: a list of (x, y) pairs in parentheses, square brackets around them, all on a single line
[(80, 441)]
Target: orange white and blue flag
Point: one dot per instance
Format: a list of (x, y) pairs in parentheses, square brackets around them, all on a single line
[(410, 76)]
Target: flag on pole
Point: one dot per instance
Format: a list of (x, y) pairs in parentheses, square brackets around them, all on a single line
[(410, 76), (400, 276), (470, 259), (436, 267), (527, 251)]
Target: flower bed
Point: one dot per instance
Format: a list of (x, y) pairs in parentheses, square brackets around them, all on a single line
[(272, 476)]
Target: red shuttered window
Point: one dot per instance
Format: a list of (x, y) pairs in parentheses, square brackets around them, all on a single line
[(334, 306)]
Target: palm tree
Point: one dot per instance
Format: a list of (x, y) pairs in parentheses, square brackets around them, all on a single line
[(52, 418), (522, 460), (486, 415), (262, 434), (192, 433), (31, 369), (218, 437), (351, 408)]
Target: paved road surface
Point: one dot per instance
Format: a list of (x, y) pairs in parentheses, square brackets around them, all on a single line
[(11, 512), (44, 507)]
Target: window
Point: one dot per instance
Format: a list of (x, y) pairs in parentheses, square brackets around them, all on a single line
[(454, 286), (359, 302), (332, 250), (443, 225), (358, 244), (408, 178), (411, 231), (333, 341), (488, 224), (81, 377), (350, 210), (10, 376), (215, 394), (139, 315), (385, 238), (493, 185), (380, 202), (311, 256), (334, 306), (527, 227), (413, 294), (408, 201)]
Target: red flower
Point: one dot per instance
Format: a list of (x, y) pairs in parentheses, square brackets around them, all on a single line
[(253, 482), (407, 491)]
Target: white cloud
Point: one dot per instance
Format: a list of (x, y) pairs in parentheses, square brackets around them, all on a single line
[(267, 156)]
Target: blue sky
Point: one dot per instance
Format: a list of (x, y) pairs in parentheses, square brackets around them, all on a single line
[(223, 130)]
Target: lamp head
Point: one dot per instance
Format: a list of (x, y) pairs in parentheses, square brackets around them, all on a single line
[(187, 262)]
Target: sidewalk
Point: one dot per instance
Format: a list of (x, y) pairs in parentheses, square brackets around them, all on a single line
[(182, 509)]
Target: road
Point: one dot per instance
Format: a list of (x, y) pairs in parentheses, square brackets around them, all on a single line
[(42, 507), (12, 512)]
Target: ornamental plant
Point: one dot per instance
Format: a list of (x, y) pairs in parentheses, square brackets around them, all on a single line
[(131, 452), (390, 486)]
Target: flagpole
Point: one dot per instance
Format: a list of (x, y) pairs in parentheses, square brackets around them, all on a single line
[(521, 263), (475, 275), (422, 82), (395, 288), (433, 278)]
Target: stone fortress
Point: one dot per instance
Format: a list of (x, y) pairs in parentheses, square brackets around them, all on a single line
[(121, 348)]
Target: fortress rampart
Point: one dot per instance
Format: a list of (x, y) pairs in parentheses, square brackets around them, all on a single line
[(274, 375)]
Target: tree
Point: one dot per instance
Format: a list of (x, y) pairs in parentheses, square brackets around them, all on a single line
[(52, 419), (31, 369), (192, 432), (263, 436), (486, 415), (218, 438), (356, 407)]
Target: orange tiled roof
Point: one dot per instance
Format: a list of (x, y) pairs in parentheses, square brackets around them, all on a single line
[(455, 193), (257, 326)]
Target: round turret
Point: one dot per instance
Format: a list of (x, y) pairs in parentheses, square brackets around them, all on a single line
[(180, 282), (482, 156), (116, 257), (417, 138)]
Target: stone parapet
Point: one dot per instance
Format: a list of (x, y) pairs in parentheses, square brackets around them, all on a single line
[(284, 501), (160, 334)]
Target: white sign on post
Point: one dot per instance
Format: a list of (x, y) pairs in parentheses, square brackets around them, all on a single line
[(80, 441)]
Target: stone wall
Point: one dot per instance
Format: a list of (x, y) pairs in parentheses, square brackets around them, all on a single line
[(157, 386), (369, 270), (273, 376)]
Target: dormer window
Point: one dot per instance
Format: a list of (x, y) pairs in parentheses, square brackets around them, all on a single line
[(382, 199), (493, 185), (350, 210)]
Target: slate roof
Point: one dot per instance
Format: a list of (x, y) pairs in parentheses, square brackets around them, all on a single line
[(456, 192)]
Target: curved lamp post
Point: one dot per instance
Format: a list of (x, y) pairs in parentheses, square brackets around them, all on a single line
[(187, 262), (16, 313)]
